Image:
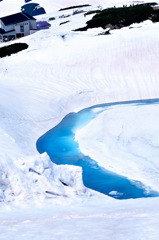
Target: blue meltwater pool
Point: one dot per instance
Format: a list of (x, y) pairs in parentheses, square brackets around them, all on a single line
[(60, 145)]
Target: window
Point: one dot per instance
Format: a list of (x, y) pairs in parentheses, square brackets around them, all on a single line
[(21, 28)]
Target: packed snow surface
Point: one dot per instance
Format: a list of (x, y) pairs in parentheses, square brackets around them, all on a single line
[(96, 219), (64, 71)]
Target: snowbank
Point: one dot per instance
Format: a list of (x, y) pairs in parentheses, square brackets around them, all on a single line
[(37, 179)]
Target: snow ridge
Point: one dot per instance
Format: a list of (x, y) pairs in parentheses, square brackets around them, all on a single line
[(37, 178)]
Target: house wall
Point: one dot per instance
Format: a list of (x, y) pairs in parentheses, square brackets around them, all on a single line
[(2, 25), (9, 27), (6, 28), (33, 24), (33, 31), (25, 25)]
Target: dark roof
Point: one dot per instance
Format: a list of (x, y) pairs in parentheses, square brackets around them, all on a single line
[(16, 18), (42, 24), (1, 31), (8, 32)]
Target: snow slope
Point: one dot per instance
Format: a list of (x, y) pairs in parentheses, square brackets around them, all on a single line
[(12, 6), (50, 79)]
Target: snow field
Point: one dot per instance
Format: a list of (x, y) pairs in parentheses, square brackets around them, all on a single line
[(52, 78)]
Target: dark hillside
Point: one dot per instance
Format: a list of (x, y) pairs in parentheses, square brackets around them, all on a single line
[(122, 17)]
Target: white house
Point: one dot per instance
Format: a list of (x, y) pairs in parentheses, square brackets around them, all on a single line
[(155, 7), (16, 26)]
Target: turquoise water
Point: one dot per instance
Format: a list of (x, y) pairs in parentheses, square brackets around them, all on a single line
[(62, 149)]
